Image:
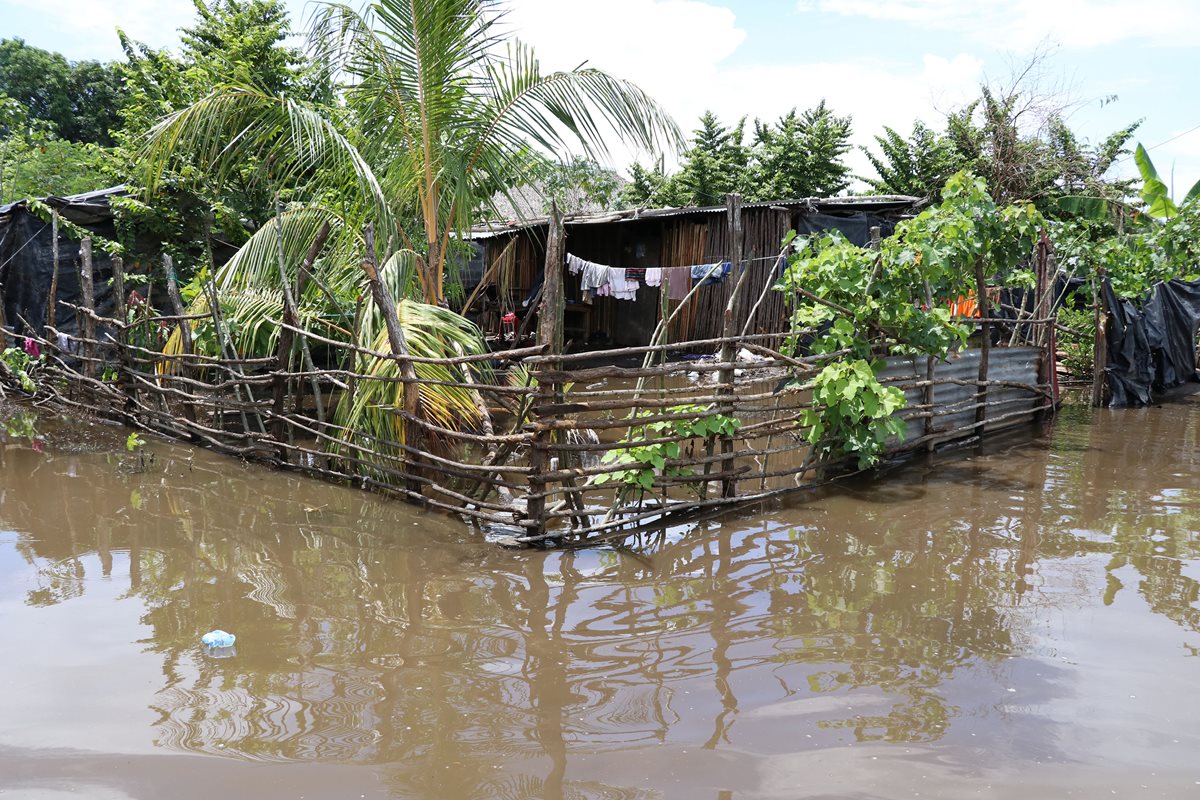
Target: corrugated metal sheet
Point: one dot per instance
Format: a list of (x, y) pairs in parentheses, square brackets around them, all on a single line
[(1012, 364), (822, 204)]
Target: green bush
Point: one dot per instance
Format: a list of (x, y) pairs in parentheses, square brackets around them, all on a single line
[(1077, 348)]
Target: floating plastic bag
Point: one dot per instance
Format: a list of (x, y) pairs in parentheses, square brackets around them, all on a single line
[(218, 638)]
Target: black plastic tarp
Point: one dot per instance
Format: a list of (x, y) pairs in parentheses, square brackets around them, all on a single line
[(855, 227), (27, 261), (1152, 345)]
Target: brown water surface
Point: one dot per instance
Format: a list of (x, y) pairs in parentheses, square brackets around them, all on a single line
[(1018, 622)]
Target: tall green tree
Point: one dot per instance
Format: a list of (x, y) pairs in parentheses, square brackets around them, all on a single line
[(232, 42), (716, 164), (800, 155), (713, 166), (76, 101), (917, 165)]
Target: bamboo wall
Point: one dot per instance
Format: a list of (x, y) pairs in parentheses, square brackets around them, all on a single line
[(679, 241)]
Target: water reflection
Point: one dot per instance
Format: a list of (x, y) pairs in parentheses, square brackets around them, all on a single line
[(369, 633)]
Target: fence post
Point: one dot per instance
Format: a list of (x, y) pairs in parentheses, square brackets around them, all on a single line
[(124, 379), (1044, 309), (550, 336), (87, 289), (928, 396), (725, 378), (185, 331), (52, 300), (1100, 349), (413, 434), (985, 345)]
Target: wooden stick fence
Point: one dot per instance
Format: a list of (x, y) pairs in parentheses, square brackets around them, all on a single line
[(553, 457)]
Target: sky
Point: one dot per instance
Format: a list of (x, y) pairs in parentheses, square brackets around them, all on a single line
[(884, 62)]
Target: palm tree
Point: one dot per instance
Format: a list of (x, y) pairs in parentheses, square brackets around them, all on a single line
[(435, 111)]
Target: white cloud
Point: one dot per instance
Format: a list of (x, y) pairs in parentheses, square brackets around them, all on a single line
[(628, 37), (678, 52), (1022, 24)]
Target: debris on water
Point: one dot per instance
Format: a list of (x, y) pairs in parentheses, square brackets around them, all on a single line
[(218, 639)]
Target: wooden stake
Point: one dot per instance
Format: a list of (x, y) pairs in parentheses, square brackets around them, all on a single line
[(52, 300), (185, 326), (550, 336), (985, 345), (1044, 308), (88, 290), (930, 367), (1100, 348), (124, 355), (733, 211), (413, 434)]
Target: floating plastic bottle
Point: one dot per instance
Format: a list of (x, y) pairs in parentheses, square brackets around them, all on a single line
[(218, 638)]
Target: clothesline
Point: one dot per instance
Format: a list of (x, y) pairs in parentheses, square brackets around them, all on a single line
[(623, 283)]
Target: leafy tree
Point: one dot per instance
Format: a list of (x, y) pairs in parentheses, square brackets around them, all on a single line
[(1000, 137), (877, 299), (42, 166), (232, 41), (579, 184), (36, 163), (918, 165), (800, 156), (651, 188), (77, 101), (1077, 167)]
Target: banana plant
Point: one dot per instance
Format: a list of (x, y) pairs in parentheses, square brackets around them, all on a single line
[(1155, 194)]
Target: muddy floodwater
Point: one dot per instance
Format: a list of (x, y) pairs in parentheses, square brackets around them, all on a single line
[(1015, 622)]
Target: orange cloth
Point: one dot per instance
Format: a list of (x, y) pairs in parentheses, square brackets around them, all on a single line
[(965, 306)]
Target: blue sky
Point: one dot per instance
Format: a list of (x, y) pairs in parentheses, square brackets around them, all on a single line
[(882, 61)]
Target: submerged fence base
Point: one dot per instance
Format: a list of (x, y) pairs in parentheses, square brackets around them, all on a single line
[(548, 472)]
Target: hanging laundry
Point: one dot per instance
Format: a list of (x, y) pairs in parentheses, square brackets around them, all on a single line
[(635, 273), (708, 274), (653, 276), (621, 287), (593, 275), (678, 281), (602, 280)]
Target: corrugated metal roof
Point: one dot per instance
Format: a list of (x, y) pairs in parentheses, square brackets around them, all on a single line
[(817, 204), (96, 197)]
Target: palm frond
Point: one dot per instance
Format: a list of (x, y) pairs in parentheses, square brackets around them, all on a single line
[(300, 142), (431, 332)]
